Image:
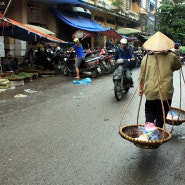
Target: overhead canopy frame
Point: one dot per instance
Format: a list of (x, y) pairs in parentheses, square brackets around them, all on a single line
[(14, 29)]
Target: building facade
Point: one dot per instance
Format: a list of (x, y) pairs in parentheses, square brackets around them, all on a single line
[(147, 16), (114, 14)]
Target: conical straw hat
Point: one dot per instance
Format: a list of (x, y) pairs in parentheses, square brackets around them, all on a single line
[(159, 42)]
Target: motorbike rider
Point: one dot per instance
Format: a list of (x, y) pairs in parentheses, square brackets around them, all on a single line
[(78, 48), (125, 53)]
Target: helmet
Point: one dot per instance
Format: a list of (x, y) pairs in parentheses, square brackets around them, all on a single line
[(123, 41), (76, 40)]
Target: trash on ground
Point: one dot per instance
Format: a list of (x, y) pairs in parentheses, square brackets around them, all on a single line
[(80, 96), (30, 91), (20, 96), (83, 81)]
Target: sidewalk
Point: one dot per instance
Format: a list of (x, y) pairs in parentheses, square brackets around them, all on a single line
[(38, 84)]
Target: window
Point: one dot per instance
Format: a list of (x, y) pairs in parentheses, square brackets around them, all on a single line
[(97, 18), (110, 21), (36, 13)]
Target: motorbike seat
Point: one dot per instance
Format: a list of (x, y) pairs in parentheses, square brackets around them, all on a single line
[(89, 59)]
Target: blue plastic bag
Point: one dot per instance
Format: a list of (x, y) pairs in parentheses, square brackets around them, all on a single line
[(83, 81)]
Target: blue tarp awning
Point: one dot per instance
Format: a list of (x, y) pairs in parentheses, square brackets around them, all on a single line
[(83, 23), (77, 21)]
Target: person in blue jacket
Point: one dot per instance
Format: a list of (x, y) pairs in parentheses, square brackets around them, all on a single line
[(125, 53), (78, 48)]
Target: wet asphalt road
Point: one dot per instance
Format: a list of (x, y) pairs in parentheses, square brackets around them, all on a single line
[(66, 134)]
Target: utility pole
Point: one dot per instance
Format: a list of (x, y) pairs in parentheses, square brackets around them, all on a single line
[(6, 8)]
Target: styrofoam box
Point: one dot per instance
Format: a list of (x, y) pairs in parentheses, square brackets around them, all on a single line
[(19, 44), (20, 52), (1, 38), (1, 46), (17, 83), (2, 53), (10, 46)]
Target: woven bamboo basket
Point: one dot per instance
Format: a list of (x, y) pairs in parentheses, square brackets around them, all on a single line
[(181, 117), (131, 133)]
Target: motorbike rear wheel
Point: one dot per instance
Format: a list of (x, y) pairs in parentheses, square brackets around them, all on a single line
[(118, 90), (108, 67), (58, 67), (66, 71), (113, 67), (102, 68), (94, 73)]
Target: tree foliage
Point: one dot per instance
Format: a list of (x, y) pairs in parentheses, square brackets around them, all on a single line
[(118, 4), (171, 19)]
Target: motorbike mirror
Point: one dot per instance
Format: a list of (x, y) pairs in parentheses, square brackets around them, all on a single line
[(58, 48)]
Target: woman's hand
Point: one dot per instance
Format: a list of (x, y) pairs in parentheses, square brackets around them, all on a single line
[(140, 90)]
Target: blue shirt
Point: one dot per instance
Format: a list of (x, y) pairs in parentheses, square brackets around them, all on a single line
[(125, 54), (79, 51)]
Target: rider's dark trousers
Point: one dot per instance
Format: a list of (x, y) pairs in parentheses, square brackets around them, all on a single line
[(154, 111), (128, 75)]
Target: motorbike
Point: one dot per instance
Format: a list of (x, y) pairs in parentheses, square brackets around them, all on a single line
[(182, 59), (111, 52), (89, 66), (105, 61), (139, 57), (121, 83), (58, 60), (50, 59)]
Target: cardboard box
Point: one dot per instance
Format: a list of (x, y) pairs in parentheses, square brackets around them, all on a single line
[(8, 40)]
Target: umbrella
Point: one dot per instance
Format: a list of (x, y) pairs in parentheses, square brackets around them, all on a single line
[(129, 39), (82, 34), (17, 30), (41, 29), (127, 31)]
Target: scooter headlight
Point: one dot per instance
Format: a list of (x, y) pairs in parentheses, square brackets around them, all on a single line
[(120, 61)]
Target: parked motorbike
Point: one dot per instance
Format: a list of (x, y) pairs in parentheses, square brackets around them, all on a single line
[(89, 66), (105, 61), (121, 83), (182, 59), (58, 60), (111, 52), (50, 59), (139, 56), (43, 59)]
